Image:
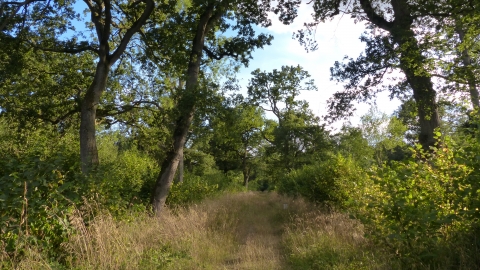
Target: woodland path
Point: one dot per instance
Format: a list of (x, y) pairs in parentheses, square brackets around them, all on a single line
[(261, 221), (234, 231)]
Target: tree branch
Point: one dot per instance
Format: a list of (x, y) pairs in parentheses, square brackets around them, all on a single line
[(126, 108), (95, 15), (63, 117), (374, 18), (218, 56), (107, 24), (73, 50), (449, 78), (19, 4), (134, 29)]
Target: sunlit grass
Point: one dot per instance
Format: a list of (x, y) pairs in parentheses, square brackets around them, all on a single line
[(320, 240), (234, 231)]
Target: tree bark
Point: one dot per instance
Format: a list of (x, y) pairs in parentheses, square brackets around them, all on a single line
[(425, 98), (181, 164), (186, 109), (181, 168), (246, 177), (412, 62), (245, 169)]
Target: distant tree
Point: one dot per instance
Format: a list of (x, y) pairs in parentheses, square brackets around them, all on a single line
[(298, 135), (385, 134), (237, 136), (350, 142)]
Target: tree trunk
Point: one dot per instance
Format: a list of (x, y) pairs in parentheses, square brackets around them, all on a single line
[(101, 17), (246, 176), (181, 168), (246, 169), (88, 145), (470, 77), (425, 98), (472, 83), (186, 107), (170, 164), (412, 63)]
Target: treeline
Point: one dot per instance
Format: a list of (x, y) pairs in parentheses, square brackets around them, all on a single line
[(140, 108)]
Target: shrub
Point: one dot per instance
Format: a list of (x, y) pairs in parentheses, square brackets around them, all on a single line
[(41, 182), (422, 208), (121, 179), (332, 181), (193, 189), (36, 199)]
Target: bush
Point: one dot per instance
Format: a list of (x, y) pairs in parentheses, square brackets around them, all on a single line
[(424, 207), (41, 183), (193, 189), (36, 199), (332, 181), (123, 176)]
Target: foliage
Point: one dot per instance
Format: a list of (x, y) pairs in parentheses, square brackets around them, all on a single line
[(384, 134), (41, 184), (161, 79), (332, 181), (192, 190), (349, 142), (423, 207), (124, 172)]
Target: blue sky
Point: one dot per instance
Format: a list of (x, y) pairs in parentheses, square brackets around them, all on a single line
[(335, 39)]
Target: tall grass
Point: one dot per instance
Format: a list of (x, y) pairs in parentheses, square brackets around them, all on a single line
[(239, 231), (234, 231), (331, 240)]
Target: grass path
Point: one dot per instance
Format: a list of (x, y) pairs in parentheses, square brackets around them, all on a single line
[(238, 231), (232, 231), (249, 230), (256, 231), (261, 221)]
